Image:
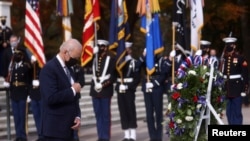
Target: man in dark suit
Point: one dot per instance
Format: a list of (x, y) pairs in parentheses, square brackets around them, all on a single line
[(7, 56), (101, 89), (60, 94), (20, 81)]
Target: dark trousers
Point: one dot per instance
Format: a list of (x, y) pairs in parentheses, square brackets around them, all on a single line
[(127, 109), (19, 109), (154, 112), (233, 110), (103, 117), (36, 110)]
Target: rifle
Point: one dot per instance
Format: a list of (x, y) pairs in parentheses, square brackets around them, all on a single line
[(10, 68)]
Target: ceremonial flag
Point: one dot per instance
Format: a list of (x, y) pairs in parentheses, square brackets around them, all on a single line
[(65, 9), (92, 14), (179, 19), (196, 23), (119, 32), (33, 31), (151, 27)]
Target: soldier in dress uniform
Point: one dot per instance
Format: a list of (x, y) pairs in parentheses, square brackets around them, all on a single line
[(5, 33), (126, 87), (101, 89), (35, 97), (20, 82), (153, 89), (235, 72)]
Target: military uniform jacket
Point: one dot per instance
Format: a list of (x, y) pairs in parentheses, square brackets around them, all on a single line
[(131, 75), (158, 78), (105, 78), (235, 72), (20, 81), (5, 36)]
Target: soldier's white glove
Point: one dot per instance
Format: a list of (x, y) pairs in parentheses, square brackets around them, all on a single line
[(33, 59), (98, 86), (6, 84), (243, 94), (172, 53), (28, 99), (149, 85), (144, 52), (198, 52), (122, 87), (95, 49), (35, 83)]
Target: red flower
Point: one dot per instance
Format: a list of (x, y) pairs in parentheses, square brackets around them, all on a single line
[(218, 99), (195, 98), (176, 95), (171, 124)]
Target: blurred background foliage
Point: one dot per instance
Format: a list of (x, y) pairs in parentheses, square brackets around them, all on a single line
[(220, 18)]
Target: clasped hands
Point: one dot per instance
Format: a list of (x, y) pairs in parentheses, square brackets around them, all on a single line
[(149, 85), (98, 86), (77, 87), (123, 87)]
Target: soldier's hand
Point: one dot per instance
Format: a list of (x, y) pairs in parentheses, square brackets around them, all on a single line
[(98, 86), (35, 83), (6, 84), (172, 54), (77, 87), (122, 87), (95, 49), (198, 52), (149, 85)]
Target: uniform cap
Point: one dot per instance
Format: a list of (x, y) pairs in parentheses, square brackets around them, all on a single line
[(102, 42), (229, 39), (205, 44), (128, 44), (19, 51), (3, 17)]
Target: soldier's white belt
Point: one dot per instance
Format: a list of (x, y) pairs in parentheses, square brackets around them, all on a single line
[(125, 80), (236, 76), (102, 78)]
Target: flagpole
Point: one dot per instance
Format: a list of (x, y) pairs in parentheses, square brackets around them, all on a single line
[(95, 45), (173, 48)]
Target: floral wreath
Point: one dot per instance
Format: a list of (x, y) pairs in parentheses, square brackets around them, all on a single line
[(187, 100)]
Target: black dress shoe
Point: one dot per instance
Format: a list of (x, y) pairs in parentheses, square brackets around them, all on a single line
[(125, 139), (131, 140)]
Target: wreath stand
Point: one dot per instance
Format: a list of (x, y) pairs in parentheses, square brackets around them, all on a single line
[(205, 112)]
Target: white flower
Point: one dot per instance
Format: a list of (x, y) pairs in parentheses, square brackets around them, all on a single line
[(198, 106), (178, 121), (189, 118), (169, 106), (204, 67), (179, 86), (192, 72)]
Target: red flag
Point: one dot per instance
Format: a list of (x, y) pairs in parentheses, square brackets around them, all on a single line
[(33, 33), (92, 14)]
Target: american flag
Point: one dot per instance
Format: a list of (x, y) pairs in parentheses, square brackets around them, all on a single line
[(33, 33)]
